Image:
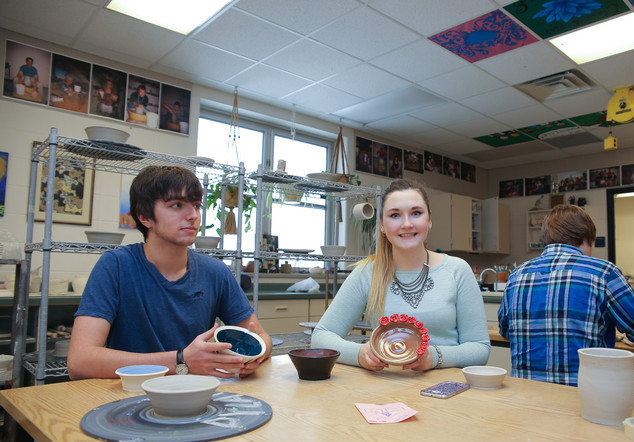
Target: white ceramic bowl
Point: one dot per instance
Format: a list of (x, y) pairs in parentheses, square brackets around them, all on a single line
[(333, 250), (484, 377), (6, 362), (207, 242), (104, 237), (244, 343), (133, 376), (628, 428), (106, 133), (180, 395)]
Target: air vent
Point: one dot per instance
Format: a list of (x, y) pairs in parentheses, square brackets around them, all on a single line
[(556, 85)]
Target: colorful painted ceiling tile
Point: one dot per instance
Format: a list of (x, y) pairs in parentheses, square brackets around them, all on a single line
[(484, 37), (539, 130), (592, 119), (501, 139), (550, 18)]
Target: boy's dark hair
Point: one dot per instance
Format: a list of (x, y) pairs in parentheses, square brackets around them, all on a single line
[(164, 183)]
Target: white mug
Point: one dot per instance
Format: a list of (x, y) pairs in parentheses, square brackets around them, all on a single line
[(363, 211)]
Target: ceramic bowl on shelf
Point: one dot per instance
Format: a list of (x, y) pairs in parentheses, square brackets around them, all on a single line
[(333, 250), (107, 134), (104, 237), (207, 242), (484, 377), (313, 364), (243, 342), (180, 396), (133, 376), (398, 342), (325, 176)]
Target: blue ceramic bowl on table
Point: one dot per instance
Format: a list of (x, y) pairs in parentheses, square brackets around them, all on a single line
[(243, 342)]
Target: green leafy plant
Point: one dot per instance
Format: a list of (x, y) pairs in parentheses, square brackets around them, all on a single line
[(214, 202)]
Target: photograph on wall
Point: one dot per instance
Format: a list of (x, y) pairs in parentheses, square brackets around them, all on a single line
[(414, 161), (379, 159), (142, 104), (468, 172), (4, 162), (125, 217), (269, 244), (175, 104), (70, 84), (396, 162), (26, 72), (433, 162), (107, 92), (451, 167), (605, 177), (72, 198), (627, 174), (568, 181), (363, 155), (538, 185), (512, 188)]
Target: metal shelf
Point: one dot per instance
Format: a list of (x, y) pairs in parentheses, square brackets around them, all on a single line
[(52, 369), (127, 159)]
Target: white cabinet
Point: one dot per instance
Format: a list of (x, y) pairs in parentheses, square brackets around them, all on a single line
[(534, 221), (496, 227), (465, 224)]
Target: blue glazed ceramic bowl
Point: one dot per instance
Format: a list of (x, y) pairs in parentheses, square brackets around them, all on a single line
[(243, 342), (133, 376)]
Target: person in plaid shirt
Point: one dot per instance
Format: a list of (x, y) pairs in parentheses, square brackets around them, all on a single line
[(563, 300)]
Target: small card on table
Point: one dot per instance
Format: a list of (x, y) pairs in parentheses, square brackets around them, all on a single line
[(385, 413)]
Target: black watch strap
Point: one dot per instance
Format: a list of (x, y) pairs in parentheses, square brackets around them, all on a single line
[(179, 357)]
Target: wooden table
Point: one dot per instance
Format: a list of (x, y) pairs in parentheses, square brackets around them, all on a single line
[(324, 410)]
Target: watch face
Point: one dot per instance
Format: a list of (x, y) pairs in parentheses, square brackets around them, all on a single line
[(182, 369)]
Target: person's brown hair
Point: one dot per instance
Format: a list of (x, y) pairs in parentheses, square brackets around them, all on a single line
[(568, 225), (164, 183), (384, 271)]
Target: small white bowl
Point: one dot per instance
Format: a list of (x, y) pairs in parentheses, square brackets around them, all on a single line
[(133, 376), (104, 237), (333, 250), (628, 427), (180, 395), (316, 270), (484, 377), (207, 242), (106, 134), (243, 342)]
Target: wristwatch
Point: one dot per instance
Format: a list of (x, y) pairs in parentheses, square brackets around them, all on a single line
[(181, 366)]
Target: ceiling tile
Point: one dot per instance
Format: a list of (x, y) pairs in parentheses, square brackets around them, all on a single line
[(619, 73), (478, 127), (461, 147), (404, 125), (365, 81), (322, 98), (302, 16), (215, 64), (222, 34), (527, 116), (463, 82), (579, 104), (526, 63), (438, 135), (499, 100), (511, 151), (446, 114), (365, 34), (15, 15), (311, 60), (430, 16), (419, 61), (109, 36), (268, 81)]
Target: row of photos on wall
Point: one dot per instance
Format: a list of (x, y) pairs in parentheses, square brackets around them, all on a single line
[(50, 79), (389, 161), (569, 181)]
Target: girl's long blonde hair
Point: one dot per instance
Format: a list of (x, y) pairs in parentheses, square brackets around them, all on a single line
[(384, 271)]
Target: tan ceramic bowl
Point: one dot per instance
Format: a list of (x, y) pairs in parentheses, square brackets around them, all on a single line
[(180, 395), (484, 377), (207, 242), (396, 343)]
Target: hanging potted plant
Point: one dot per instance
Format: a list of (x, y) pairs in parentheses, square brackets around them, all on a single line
[(214, 202)]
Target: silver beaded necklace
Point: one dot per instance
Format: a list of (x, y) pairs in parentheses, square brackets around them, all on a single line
[(414, 291)]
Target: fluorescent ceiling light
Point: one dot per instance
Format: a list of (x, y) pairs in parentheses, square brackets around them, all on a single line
[(624, 195), (592, 43), (182, 16)]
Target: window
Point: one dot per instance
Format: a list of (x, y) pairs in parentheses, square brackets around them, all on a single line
[(298, 226)]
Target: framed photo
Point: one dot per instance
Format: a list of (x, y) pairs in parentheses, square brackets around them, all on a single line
[(512, 188), (451, 167), (537, 185), (364, 155), (73, 193), (70, 83), (467, 172), (269, 244), (396, 162), (568, 181), (606, 177), (627, 174), (26, 72), (174, 109)]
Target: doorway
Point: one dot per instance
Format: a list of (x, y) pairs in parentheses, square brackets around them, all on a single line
[(620, 207)]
